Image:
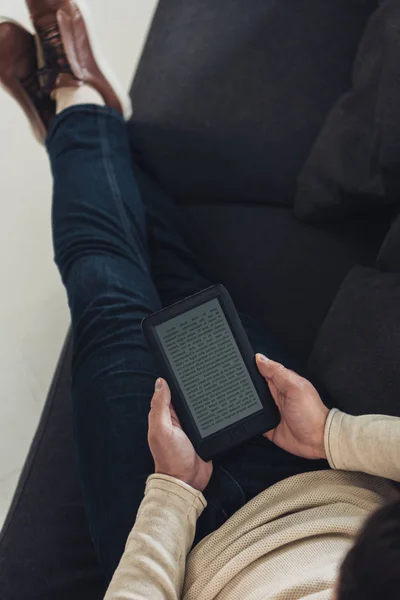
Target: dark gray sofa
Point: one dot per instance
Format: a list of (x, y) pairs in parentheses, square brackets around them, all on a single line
[(229, 98)]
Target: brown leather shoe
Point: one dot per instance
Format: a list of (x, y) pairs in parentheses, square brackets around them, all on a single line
[(68, 53), (18, 75)]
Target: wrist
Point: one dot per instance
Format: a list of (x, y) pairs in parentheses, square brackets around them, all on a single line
[(191, 481), (319, 447), (196, 484)]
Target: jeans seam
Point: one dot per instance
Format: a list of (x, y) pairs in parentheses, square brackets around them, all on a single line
[(216, 503), (112, 180), (235, 482), (116, 194)]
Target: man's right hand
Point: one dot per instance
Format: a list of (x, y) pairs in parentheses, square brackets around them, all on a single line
[(304, 415)]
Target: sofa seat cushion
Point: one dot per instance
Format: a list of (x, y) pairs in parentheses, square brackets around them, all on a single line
[(282, 271)]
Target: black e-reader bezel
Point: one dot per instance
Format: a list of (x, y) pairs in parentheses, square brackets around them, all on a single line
[(261, 421)]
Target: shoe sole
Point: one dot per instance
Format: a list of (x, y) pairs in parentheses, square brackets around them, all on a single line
[(102, 62), (38, 133)]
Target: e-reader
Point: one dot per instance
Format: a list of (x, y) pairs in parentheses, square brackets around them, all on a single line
[(205, 356)]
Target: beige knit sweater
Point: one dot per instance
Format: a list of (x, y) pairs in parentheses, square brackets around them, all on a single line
[(287, 543)]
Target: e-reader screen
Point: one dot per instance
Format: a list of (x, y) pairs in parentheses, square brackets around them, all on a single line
[(209, 367)]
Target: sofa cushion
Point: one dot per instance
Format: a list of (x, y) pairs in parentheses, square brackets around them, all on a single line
[(354, 165), (230, 95), (284, 272), (356, 355)]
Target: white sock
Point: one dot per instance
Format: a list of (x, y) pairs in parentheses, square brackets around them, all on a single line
[(70, 96)]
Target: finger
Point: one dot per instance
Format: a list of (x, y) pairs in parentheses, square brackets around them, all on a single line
[(160, 414), (276, 374)]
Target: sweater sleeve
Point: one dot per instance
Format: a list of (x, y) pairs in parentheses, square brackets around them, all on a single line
[(369, 444), (153, 565)]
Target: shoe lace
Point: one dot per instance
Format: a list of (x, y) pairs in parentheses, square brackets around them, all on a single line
[(42, 101), (55, 57)]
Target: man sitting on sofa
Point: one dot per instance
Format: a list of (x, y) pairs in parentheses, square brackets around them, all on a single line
[(277, 522)]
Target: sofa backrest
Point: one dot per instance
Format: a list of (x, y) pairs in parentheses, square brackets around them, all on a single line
[(230, 95)]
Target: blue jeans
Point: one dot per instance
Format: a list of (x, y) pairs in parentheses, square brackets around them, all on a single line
[(122, 255)]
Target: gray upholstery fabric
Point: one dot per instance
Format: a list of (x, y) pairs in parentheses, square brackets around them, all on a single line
[(356, 355), (389, 255), (284, 272), (354, 166), (230, 95)]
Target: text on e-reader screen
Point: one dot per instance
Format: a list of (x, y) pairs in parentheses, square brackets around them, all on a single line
[(209, 367)]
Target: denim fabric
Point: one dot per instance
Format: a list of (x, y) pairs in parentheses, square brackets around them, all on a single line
[(121, 253)]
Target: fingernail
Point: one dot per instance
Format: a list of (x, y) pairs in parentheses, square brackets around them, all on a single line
[(159, 384), (262, 358)]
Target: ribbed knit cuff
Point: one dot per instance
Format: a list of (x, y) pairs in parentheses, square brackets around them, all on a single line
[(332, 439)]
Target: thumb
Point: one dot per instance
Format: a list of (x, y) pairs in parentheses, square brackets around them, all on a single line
[(160, 414), (277, 375)]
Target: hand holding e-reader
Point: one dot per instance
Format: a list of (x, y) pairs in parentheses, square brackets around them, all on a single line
[(205, 356)]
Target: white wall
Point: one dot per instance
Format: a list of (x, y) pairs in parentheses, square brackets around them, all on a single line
[(33, 311)]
